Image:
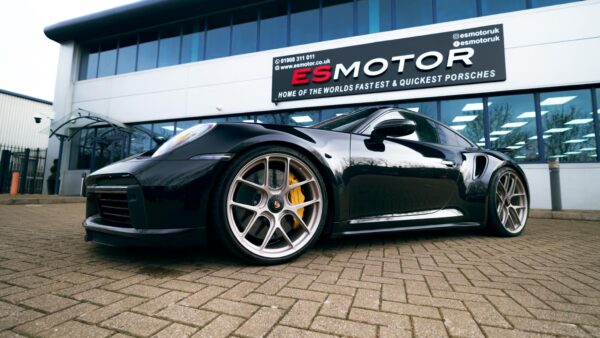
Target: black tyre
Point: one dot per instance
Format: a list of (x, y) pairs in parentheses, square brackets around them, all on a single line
[(270, 205), (508, 203)]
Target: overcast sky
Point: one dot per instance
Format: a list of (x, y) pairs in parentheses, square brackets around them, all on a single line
[(28, 59)]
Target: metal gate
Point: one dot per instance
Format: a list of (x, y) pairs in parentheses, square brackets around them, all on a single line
[(28, 162)]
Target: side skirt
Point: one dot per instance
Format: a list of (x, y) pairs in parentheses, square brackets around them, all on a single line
[(406, 228)]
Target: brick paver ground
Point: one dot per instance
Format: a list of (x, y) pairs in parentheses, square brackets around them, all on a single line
[(435, 284)]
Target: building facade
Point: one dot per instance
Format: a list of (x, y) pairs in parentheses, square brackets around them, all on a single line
[(18, 128), (167, 65), (24, 130)]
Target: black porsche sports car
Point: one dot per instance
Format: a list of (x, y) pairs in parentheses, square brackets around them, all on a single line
[(268, 192)]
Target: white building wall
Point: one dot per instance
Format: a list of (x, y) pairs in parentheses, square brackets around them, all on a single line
[(68, 62), (545, 47), (17, 126)]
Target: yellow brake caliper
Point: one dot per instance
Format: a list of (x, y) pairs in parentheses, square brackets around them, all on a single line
[(296, 197)]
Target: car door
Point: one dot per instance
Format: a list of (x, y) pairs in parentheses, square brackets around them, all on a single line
[(400, 178)]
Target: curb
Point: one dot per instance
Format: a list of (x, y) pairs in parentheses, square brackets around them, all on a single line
[(41, 200), (575, 215)]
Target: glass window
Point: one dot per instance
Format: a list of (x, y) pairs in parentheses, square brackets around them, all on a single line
[(426, 130), (127, 54), (183, 125), (384, 13), (363, 20), (410, 13), (450, 138), (273, 118), (465, 116), (448, 10), (337, 19), (140, 141), (489, 7), (542, 3), (304, 22), (568, 125), (330, 113), (303, 119), (241, 118), (513, 126), (214, 120), (147, 51), (218, 36), (107, 62), (374, 16), (109, 147), (425, 108), (348, 122), (244, 36), (273, 26), (89, 62), (168, 48), (192, 42), (81, 149), (164, 130)]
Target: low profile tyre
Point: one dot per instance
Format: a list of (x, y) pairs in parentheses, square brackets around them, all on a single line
[(271, 205), (508, 203)]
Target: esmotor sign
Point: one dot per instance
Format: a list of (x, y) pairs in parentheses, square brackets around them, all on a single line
[(467, 56)]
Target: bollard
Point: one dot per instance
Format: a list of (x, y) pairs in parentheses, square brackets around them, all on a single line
[(554, 166), (82, 191), (14, 183)]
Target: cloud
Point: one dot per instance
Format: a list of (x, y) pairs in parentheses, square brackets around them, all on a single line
[(28, 59)]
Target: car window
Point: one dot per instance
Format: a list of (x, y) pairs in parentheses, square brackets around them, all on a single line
[(451, 138), (425, 130), (346, 122)]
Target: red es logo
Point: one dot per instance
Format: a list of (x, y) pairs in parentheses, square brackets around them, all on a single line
[(319, 75)]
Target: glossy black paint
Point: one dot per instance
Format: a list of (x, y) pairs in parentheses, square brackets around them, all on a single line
[(365, 178)]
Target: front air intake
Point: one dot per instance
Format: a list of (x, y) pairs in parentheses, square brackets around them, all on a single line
[(114, 208)]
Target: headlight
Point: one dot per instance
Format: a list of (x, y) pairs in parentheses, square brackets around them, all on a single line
[(184, 137)]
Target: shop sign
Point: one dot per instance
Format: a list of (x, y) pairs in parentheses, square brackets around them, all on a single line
[(461, 57)]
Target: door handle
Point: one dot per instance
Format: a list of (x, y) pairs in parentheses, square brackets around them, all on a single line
[(450, 164)]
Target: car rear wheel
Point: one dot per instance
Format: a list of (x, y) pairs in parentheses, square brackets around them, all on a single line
[(509, 203), (271, 205)]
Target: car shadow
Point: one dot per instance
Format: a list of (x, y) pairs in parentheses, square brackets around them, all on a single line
[(169, 261)]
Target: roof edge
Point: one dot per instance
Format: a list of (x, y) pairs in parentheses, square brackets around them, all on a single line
[(23, 96), (135, 16)]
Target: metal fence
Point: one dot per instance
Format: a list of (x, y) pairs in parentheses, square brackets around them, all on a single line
[(28, 162)]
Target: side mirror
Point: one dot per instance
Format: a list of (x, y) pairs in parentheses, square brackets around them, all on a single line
[(393, 128)]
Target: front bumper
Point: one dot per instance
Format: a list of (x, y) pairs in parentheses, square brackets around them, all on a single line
[(121, 236)]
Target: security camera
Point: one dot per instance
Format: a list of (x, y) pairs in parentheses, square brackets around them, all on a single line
[(37, 119)]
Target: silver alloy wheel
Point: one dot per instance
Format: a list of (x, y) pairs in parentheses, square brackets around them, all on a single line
[(511, 202), (260, 213)]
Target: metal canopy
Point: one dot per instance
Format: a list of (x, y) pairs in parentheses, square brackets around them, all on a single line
[(81, 119)]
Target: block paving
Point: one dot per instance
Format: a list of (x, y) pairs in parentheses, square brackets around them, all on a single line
[(428, 284)]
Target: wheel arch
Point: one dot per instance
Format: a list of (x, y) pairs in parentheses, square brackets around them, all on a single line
[(519, 171)]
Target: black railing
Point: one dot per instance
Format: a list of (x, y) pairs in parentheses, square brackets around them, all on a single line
[(30, 163)]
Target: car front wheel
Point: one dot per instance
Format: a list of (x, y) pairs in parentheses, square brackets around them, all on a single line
[(271, 205)]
